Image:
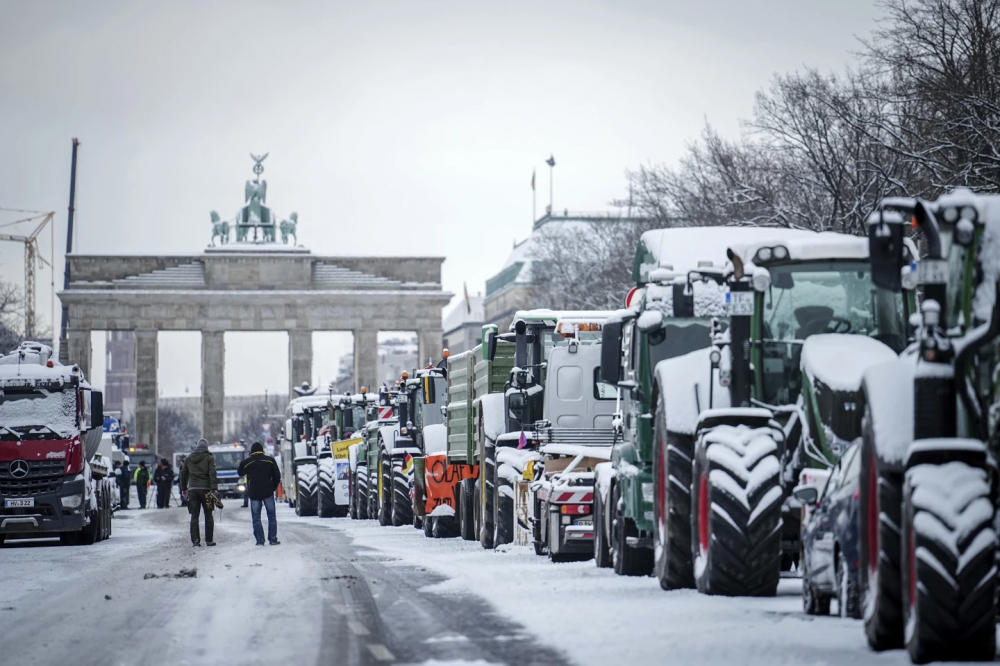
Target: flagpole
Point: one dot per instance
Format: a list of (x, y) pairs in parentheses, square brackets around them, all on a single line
[(551, 169), (534, 201)]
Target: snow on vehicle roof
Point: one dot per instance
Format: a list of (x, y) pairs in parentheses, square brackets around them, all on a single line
[(546, 315), (682, 248), (806, 245), (33, 362), (305, 401), (840, 360)]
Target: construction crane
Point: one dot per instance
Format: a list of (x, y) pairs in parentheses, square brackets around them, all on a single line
[(31, 257)]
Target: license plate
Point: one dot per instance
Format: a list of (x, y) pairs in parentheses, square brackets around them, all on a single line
[(19, 503), (739, 303), (932, 271)]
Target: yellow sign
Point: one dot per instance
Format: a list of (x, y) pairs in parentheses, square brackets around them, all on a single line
[(340, 448)]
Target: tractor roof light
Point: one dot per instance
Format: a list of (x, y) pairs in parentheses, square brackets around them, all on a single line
[(761, 279), (763, 255), (780, 252)]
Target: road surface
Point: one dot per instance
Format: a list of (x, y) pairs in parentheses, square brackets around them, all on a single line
[(314, 599)]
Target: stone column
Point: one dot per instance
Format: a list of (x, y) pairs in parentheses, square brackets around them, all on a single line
[(366, 360), (300, 360), (213, 385), (79, 349), (146, 364), (429, 345)]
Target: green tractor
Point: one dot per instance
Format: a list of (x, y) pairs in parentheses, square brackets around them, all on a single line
[(928, 459), (776, 392)]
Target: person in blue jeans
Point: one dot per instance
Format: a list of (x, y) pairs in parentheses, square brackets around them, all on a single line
[(263, 477)]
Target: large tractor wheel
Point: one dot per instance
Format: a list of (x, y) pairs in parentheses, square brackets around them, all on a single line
[(602, 554), (487, 494), (737, 521), (402, 504), (373, 477), (361, 492), (306, 487), (503, 512), (467, 509), (879, 544), (627, 561), (948, 574), (326, 506), (384, 499), (672, 457)]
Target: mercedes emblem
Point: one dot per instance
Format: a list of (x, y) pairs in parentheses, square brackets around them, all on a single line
[(19, 469)]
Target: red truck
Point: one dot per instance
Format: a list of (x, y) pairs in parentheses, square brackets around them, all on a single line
[(53, 480)]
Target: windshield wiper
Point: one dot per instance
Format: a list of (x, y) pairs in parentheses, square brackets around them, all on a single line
[(49, 428), (13, 432)]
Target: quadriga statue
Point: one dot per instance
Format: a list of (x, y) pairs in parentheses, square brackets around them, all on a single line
[(220, 229), (289, 227)]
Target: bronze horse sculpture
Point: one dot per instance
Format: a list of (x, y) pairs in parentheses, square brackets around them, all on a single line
[(289, 227), (220, 229)]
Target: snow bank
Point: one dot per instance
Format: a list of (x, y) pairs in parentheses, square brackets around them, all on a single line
[(684, 385), (839, 361)]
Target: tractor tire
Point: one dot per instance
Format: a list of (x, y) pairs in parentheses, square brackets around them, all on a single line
[(626, 560), (736, 513), (109, 508), (373, 477), (848, 604), (672, 457), (326, 506), (306, 490), (948, 578), (503, 512), (487, 493), (384, 498), (418, 523), (361, 492), (537, 539), (467, 509), (402, 504), (602, 554), (879, 545)]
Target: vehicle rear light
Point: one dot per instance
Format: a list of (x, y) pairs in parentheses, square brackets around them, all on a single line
[(574, 509), (74, 457), (857, 493)]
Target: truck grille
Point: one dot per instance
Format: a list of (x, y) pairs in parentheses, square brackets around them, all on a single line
[(44, 476)]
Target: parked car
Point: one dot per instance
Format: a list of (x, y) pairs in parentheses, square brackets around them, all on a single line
[(830, 539)]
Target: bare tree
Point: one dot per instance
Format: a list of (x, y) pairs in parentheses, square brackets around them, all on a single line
[(175, 431)]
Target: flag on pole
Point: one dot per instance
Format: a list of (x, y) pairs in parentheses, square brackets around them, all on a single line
[(551, 161), (468, 303), (532, 180)]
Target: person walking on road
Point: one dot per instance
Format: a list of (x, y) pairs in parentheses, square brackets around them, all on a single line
[(124, 481), (163, 478), (263, 478), (142, 483), (199, 483)]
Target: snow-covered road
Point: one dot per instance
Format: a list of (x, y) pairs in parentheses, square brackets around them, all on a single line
[(346, 592)]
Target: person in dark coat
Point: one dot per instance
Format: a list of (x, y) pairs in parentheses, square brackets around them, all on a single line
[(124, 481), (142, 483), (163, 478), (198, 481), (263, 477)]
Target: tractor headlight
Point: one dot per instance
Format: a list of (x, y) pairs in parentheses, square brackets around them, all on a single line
[(763, 255), (761, 279), (71, 501), (241, 487)]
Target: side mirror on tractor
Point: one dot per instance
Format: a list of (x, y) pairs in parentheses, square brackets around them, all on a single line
[(885, 249), (490, 342), (806, 494), (611, 353), (96, 409)]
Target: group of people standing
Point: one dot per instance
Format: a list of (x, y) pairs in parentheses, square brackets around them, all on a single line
[(162, 478)]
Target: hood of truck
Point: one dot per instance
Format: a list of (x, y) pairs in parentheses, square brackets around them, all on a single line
[(38, 449)]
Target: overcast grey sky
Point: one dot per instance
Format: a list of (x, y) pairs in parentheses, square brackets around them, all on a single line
[(401, 128)]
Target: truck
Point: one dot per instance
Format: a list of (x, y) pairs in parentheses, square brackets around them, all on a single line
[(305, 417), (553, 482), (775, 392), (928, 496), (227, 463), (53, 480)]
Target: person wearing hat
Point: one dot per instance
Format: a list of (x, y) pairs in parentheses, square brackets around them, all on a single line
[(198, 481), (263, 477)]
